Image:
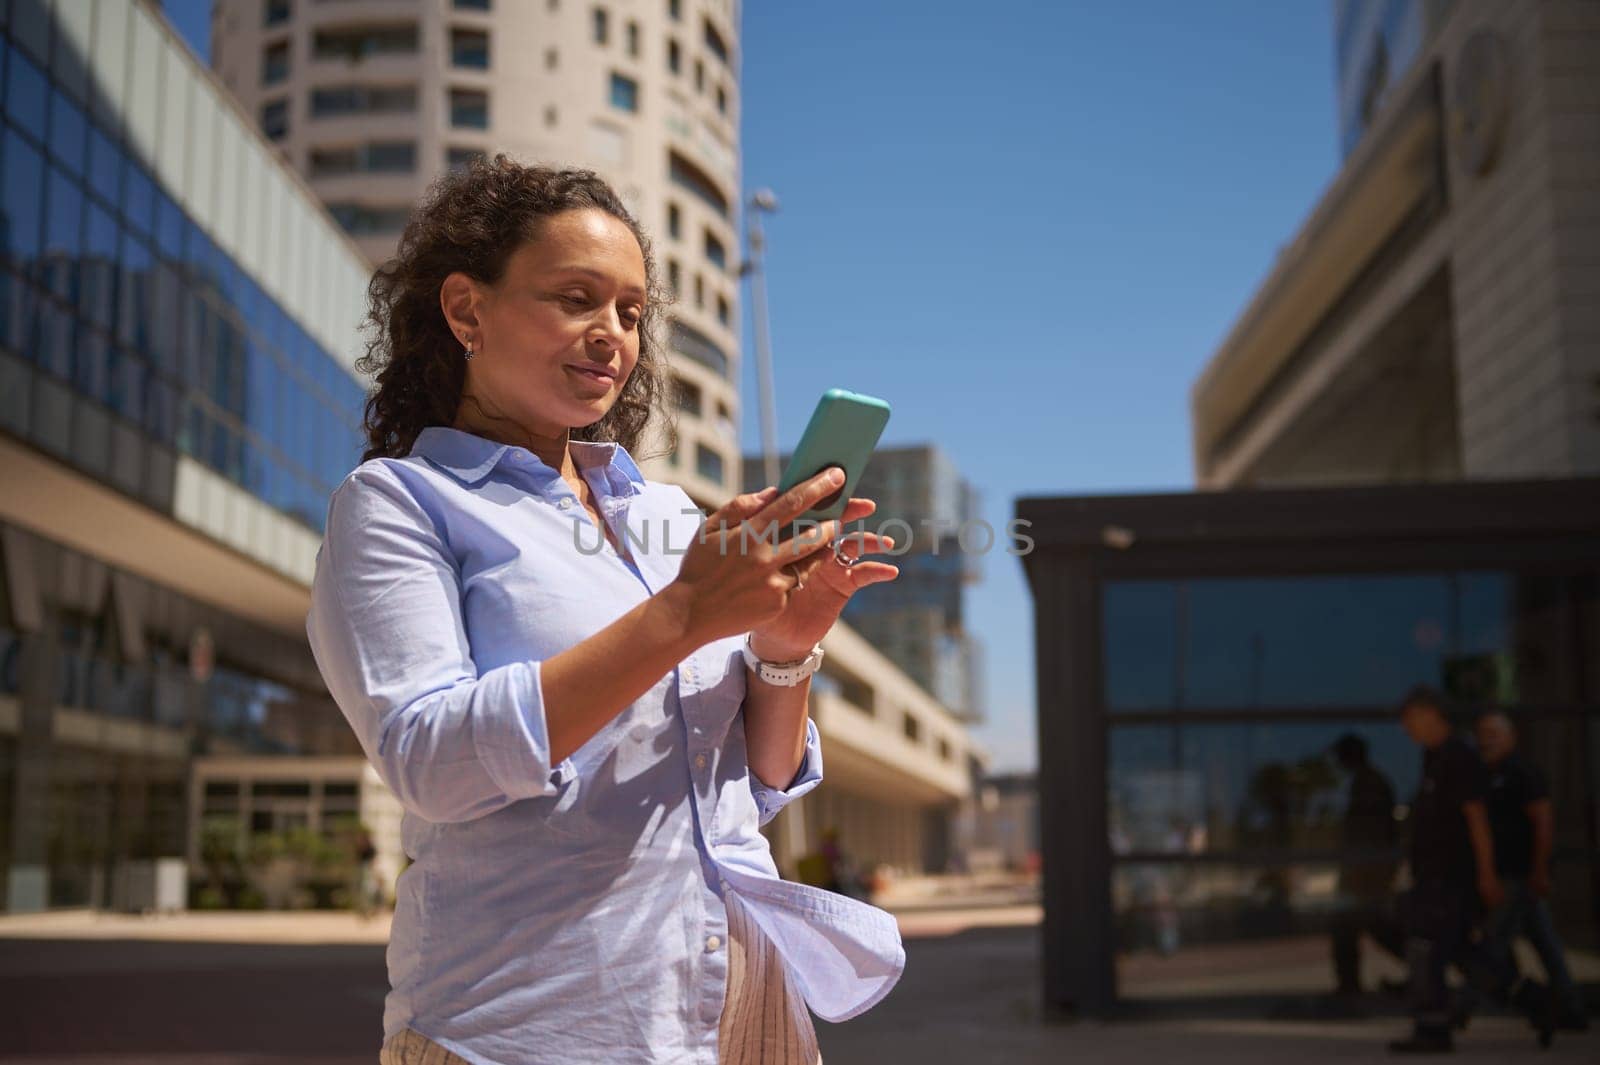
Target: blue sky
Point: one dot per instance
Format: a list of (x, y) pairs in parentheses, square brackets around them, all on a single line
[(1027, 226)]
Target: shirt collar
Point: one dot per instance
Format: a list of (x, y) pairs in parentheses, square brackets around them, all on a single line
[(469, 457)]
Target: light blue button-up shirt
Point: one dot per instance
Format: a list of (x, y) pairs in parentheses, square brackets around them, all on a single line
[(571, 912)]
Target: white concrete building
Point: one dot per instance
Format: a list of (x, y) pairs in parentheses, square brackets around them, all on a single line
[(371, 100)]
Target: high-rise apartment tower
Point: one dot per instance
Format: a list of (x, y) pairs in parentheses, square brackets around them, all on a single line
[(371, 101)]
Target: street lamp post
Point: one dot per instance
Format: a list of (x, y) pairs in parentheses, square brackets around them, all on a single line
[(762, 201), (794, 843)]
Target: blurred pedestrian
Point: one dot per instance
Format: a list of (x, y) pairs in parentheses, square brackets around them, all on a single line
[(843, 874), (1367, 869), (1523, 825), (366, 878), (1452, 871)]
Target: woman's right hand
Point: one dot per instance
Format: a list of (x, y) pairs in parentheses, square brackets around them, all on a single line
[(733, 575)]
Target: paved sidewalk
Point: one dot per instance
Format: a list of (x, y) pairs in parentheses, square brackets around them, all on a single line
[(269, 989), (310, 927)]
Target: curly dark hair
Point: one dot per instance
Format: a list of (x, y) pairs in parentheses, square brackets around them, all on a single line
[(472, 220)]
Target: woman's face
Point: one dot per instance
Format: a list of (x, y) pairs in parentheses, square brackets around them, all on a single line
[(556, 338)]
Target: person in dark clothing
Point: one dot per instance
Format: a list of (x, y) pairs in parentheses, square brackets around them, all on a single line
[(1452, 870), (366, 893), (1366, 873), (1522, 824)]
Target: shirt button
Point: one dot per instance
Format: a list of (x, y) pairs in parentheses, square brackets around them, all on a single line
[(712, 943), (565, 503), (699, 761)]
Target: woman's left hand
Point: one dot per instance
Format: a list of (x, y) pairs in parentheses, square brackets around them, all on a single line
[(826, 586)]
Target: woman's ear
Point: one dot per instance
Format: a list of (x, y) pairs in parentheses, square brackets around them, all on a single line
[(459, 299)]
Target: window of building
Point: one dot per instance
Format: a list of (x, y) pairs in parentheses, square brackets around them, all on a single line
[(1224, 644), (379, 157), (364, 220), (624, 92), (552, 58), (275, 63), (550, 117), (469, 109), (281, 789), (632, 37), (274, 12), (674, 221), (684, 174), (699, 290), (674, 277), (715, 252), (944, 749), (689, 397), (699, 76), (602, 25), (912, 727), (469, 48), (674, 56), (391, 156), (358, 44), (714, 42), (275, 119), (472, 5), (722, 100), (675, 10), (27, 96), (850, 688), (693, 344), (363, 100), (708, 463), (724, 311), (461, 158)]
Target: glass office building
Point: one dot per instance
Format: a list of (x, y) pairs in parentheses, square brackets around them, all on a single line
[(1375, 41), (1201, 656), (178, 318)]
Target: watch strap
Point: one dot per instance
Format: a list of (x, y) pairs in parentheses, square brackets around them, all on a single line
[(783, 674)]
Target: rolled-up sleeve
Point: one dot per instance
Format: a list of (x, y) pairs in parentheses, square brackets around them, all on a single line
[(387, 631), (770, 800)]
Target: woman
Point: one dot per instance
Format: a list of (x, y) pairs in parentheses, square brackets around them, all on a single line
[(556, 665)]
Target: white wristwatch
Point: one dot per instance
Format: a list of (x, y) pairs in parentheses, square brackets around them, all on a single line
[(783, 674)]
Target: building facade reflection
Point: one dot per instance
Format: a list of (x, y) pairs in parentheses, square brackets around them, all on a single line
[(1202, 681), (177, 325)]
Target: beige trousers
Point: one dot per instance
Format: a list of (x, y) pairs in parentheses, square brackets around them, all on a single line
[(764, 1019)]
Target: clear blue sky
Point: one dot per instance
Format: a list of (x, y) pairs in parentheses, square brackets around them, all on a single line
[(1027, 226)]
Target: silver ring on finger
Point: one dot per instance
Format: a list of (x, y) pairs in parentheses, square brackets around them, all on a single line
[(843, 559)]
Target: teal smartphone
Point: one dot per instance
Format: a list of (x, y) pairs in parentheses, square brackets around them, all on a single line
[(843, 430)]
